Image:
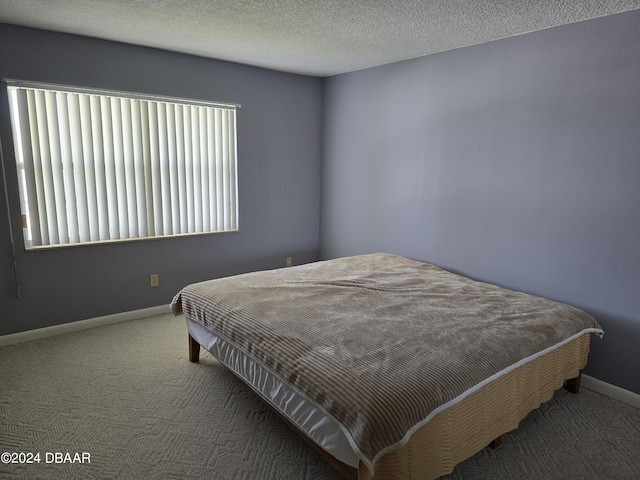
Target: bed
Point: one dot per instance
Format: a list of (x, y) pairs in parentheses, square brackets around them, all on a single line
[(391, 368)]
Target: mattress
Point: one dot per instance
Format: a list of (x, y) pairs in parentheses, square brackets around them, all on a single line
[(379, 344)]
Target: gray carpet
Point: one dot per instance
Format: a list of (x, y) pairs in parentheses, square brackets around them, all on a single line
[(127, 395)]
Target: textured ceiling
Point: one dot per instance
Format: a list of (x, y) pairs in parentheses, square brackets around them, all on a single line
[(312, 37)]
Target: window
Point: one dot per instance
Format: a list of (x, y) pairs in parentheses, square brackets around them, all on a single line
[(99, 166)]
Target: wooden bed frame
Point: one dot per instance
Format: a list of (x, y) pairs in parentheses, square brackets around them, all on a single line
[(454, 434)]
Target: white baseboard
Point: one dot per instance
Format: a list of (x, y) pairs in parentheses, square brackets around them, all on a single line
[(81, 325), (612, 391)]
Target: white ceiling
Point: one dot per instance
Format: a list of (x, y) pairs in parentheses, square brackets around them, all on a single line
[(311, 37)]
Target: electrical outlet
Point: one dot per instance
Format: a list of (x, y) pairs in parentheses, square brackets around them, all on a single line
[(289, 261), (153, 280)]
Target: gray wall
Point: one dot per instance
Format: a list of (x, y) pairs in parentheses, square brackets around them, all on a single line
[(515, 162), (279, 156)]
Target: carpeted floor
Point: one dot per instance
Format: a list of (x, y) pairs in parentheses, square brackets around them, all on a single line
[(127, 395)]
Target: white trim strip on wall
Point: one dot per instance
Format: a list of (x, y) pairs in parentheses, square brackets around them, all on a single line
[(38, 333), (611, 391)]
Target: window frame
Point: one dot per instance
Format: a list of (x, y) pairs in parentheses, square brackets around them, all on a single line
[(230, 159)]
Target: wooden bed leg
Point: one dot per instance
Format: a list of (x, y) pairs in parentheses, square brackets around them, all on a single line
[(573, 384), (495, 443), (194, 350)]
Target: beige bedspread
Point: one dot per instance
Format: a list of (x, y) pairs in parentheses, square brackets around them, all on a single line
[(380, 342)]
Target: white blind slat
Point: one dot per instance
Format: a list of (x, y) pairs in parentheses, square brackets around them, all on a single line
[(225, 171), (156, 176), (66, 164), (233, 171), (165, 180), (173, 169), (219, 172), (182, 178), (110, 181), (138, 168), (188, 167), (129, 168), (211, 161), (78, 173), (99, 168), (204, 165), (89, 186), (20, 120), (122, 200), (176, 168), (197, 170), (42, 168), (58, 216)]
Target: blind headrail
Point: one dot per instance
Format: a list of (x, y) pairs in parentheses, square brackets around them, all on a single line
[(118, 94)]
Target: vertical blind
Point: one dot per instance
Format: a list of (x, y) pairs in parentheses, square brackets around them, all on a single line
[(96, 166)]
